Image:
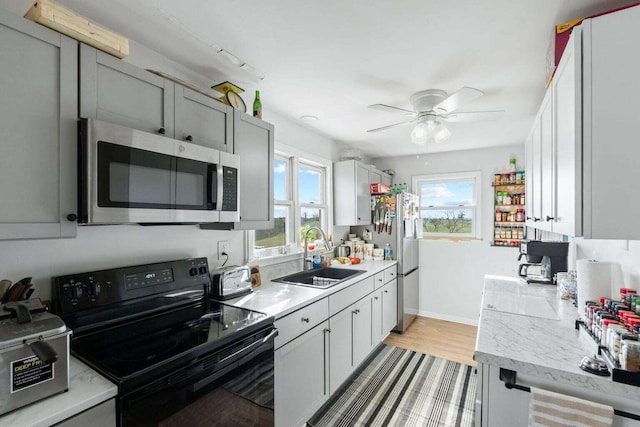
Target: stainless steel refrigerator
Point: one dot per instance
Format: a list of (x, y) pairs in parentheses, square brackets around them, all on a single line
[(395, 219)]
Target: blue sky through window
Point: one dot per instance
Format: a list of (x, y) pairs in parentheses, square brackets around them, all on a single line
[(453, 193)]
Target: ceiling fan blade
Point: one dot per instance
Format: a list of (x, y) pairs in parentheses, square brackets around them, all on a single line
[(473, 116), (390, 108), (457, 100), (390, 126)]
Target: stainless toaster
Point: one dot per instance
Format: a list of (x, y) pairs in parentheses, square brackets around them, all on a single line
[(231, 282)]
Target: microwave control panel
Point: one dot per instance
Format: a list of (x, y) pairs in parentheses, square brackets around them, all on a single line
[(229, 189)]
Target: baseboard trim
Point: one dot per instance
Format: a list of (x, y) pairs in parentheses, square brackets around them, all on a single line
[(447, 317)]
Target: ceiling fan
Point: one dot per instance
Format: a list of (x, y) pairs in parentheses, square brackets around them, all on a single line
[(432, 106)]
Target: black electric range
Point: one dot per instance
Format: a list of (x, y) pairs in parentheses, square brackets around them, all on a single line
[(172, 351)]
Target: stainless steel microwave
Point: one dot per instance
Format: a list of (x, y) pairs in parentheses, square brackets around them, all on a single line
[(129, 176)]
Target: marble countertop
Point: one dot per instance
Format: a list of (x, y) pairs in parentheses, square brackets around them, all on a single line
[(279, 299), (87, 388), (529, 329)]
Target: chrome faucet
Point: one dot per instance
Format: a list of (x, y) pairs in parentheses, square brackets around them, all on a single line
[(306, 246)]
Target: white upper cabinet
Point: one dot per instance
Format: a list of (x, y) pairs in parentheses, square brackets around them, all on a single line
[(567, 96), (594, 98), (352, 198), (38, 120), (611, 126)]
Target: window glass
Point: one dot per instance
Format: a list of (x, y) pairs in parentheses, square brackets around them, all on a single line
[(309, 184), (277, 236), (449, 204), (280, 171)]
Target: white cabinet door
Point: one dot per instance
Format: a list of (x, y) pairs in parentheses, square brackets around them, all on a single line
[(363, 196), (301, 377), (567, 97), (611, 126), (203, 120), (535, 175), (362, 330), (119, 92), (340, 347), (376, 318), (547, 166), (530, 199), (38, 122), (389, 297), (352, 198)]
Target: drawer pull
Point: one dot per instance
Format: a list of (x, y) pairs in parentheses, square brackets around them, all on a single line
[(305, 319), (375, 298)]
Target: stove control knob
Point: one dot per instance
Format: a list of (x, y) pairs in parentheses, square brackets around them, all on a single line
[(93, 289), (193, 271), (203, 270)]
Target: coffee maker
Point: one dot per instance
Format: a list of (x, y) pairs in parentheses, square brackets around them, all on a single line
[(544, 260)]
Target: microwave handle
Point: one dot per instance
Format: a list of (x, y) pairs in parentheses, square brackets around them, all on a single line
[(212, 187), (219, 186)]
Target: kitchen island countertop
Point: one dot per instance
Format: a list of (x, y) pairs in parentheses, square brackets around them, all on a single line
[(87, 389), (279, 299), (529, 329)]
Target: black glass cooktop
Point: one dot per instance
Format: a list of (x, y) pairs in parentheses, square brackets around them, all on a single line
[(143, 345)]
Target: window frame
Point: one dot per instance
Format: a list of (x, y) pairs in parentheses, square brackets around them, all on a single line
[(475, 206), (296, 157)]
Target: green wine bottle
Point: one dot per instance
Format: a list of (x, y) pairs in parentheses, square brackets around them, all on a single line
[(257, 106)]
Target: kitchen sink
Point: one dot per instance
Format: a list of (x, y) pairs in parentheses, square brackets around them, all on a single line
[(322, 278)]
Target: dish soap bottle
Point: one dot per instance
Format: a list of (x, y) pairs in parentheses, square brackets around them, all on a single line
[(257, 106)]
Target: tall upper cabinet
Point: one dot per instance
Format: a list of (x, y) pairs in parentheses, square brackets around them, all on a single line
[(38, 114), (595, 102)]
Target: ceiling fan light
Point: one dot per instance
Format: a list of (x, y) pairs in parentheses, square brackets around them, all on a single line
[(441, 133), (420, 133)]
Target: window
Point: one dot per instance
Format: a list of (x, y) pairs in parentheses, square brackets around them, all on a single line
[(300, 202), (449, 204)]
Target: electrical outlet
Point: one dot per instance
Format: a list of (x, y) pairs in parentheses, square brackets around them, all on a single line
[(223, 246)]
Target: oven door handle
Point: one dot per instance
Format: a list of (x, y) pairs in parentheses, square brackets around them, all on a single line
[(251, 347), (197, 386)]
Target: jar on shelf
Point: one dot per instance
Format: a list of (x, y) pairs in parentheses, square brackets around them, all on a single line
[(503, 233), (498, 197), (512, 216), (519, 215), (508, 233), (498, 215), (512, 177), (522, 199), (505, 217), (520, 233), (506, 199), (497, 178), (519, 177)]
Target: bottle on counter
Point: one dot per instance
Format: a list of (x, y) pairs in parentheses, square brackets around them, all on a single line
[(387, 252), (257, 106)]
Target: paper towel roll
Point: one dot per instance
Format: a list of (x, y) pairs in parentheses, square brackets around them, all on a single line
[(597, 279)]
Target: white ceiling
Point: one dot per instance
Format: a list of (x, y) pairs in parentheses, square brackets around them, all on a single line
[(333, 58)]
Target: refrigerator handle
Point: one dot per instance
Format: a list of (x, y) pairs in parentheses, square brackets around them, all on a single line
[(409, 272)]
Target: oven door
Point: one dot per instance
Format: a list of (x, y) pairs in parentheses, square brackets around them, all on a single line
[(129, 176), (232, 386)]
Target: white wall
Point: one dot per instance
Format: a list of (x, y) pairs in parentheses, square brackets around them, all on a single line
[(100, 247), (452, 273)]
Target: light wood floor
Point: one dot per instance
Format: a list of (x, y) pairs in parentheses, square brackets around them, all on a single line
[(449, 340)]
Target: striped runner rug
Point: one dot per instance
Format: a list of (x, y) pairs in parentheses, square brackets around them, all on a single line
[(399, 387)]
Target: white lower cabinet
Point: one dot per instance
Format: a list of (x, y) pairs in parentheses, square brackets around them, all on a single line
[(389, 304), (312, 363), (302, 377), (362, 330)]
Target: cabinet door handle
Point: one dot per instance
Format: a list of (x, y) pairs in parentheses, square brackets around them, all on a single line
[(386, 291), (72, 217), (162, 131), (536, 219), (328, 330), (528, 218), (550, 218), (375, 298), (189, 138), (305, 319)]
